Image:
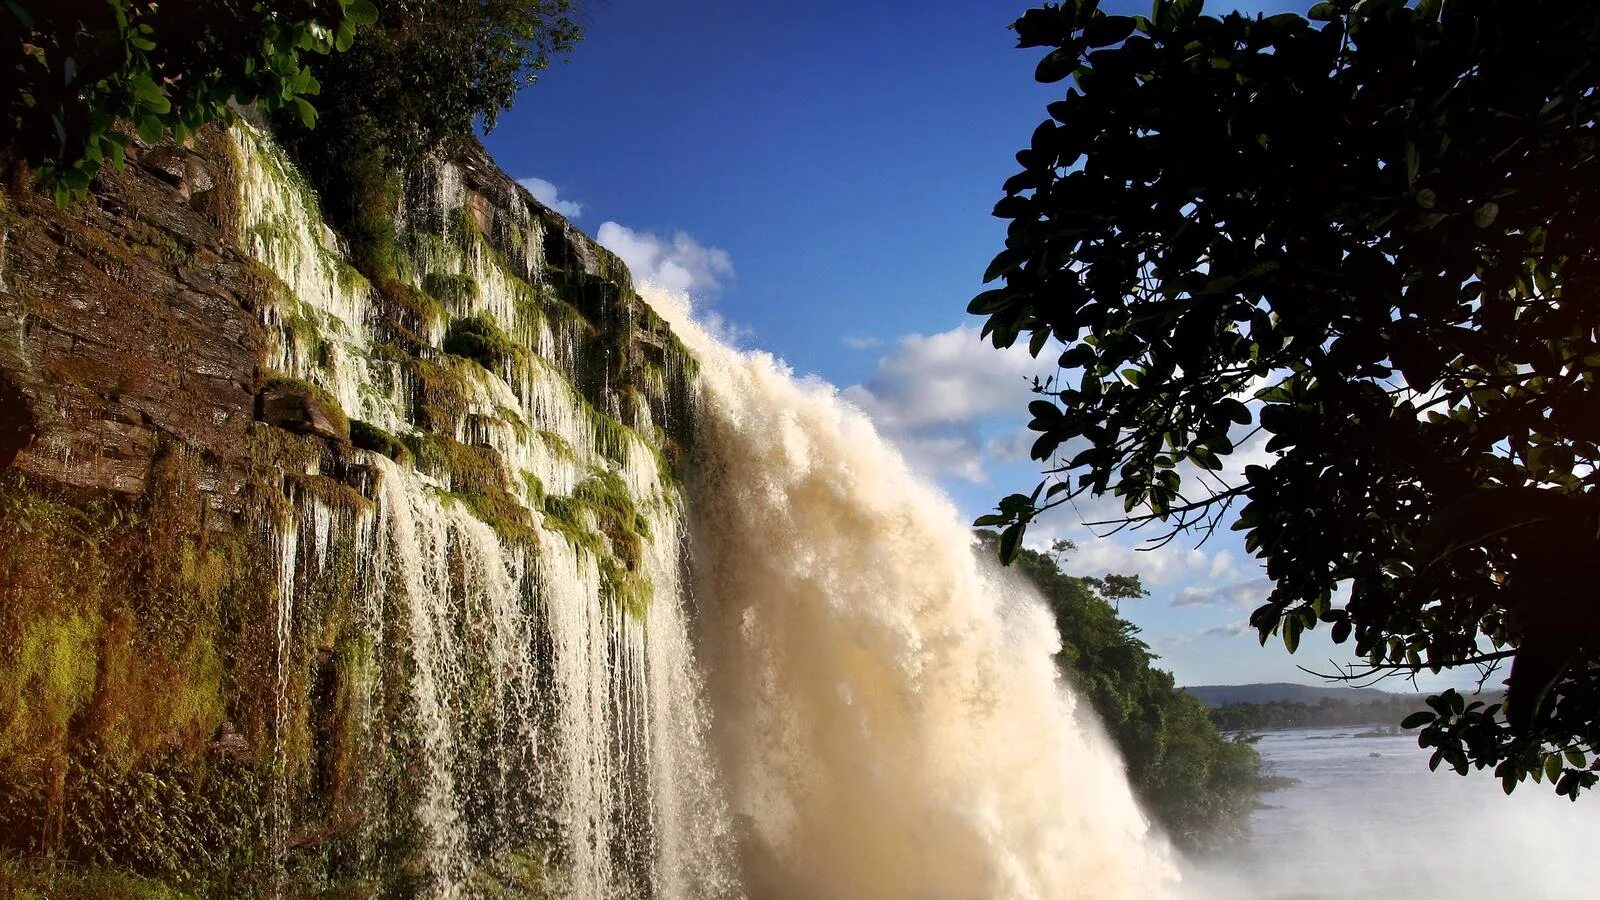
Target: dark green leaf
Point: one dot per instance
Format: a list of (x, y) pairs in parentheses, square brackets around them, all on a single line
[(362, 11), (1011, 542), (1417, 719)]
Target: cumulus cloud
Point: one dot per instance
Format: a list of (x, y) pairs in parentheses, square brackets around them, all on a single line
[(550, 195), (947, 378), (1234, 629), (1014, 447), (930, 394), (1222, 565), (954, 455), (680, 264), (1240, 594), (1155, 567)]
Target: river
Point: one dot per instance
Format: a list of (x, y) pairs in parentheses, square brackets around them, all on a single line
[(1367, 819)]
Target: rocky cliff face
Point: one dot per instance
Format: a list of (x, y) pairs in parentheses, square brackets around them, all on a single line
[(317, 584)]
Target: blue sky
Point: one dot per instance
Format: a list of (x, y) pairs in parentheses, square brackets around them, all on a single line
[(821, 176)]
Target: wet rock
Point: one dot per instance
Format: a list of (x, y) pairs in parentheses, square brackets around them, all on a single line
[(228, 743), (302, 408), (124, 326), (17, 427)]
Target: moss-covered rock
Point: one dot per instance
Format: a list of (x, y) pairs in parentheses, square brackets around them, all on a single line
[(478, 338), (367, 436), (302, 407), (450, 288)]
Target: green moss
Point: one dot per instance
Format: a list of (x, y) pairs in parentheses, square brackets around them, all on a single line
[(611, 438), (120, 672), (533, 490), (501, 512), (442, 393), (48, 676), (298, 392), (38, 879), (605, 493), (478, 338), (367, 436), (409, 316), (428, 452), (627, 589), (518, 875), (455, 291), (557, 445), (463, 226), (602, 519), (566, 516)]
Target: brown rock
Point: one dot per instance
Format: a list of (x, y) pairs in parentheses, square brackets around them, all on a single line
[(122, 328), (302, 408)]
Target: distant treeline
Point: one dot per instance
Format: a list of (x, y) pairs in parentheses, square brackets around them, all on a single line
[(1326, 713), (1198, 785)]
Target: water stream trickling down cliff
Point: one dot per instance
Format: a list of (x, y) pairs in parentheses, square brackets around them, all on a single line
[(584, 603)]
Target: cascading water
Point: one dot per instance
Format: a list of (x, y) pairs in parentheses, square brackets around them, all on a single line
[(814, 691), (533, 717), (889, 718)]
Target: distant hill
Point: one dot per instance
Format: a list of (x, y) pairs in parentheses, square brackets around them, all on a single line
[(1215, 695)]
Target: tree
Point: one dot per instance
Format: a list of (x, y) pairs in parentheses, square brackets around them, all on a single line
[(423, 77), (79, 69), (1370, 239), (1199, 786)]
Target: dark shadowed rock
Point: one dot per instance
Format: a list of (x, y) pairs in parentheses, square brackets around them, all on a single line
[(228, 743)]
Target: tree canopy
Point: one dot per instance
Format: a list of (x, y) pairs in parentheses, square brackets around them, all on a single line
[(423, 77), (1363, 244), (1199, 786), (76, 70)]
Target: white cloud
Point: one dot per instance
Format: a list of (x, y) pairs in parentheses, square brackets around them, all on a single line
[(550, 195), (955, 455), (1155, 567), (1233, 629), (1222, 565), (947, 378), (1249, 593), (862, 342), (680, 264), (1014, 447), (931, 393), (1230, 630)]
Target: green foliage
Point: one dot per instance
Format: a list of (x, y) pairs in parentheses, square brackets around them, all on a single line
[(455, 290), (1327, 712), (37, 879), (409, 87), (478, 338), (1198, 785), (430, 69), (89, 72), (1370, 240), (370, 437)]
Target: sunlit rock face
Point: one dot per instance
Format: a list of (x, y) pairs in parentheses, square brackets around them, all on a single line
[(424, 575), (472, 579)]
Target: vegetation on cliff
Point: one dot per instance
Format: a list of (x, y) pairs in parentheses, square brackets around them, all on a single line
[(1198, 785), (1364, 242), (409, 88), (1390, 709), (86, 73)]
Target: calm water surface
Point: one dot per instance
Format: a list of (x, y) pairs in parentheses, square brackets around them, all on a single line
[(1368, 820)]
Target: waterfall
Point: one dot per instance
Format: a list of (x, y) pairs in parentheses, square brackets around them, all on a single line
[(529, 717), (888, 715), (561, 673)]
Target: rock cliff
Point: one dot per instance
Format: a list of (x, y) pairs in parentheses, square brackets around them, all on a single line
[(321, 582)]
